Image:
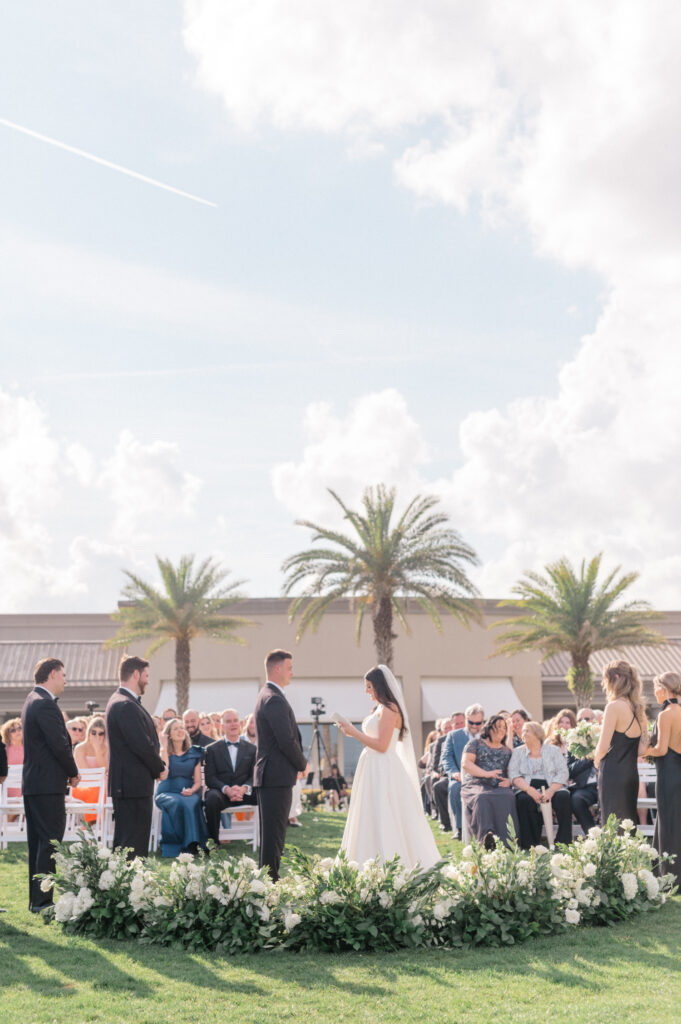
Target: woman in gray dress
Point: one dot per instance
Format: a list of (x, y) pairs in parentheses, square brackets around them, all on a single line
[(486, 794)]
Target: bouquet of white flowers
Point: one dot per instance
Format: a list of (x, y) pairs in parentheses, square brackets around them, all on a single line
[(583, 739)]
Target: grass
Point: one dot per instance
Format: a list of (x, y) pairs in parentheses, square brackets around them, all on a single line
[(590, 976)]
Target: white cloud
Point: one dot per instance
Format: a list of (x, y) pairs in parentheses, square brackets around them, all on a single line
[(69, 524), (378, 441), (564, 117)]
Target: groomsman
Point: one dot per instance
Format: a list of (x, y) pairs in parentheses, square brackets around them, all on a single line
[(229, 772), (48, 769), (279, 758), (134, 759)]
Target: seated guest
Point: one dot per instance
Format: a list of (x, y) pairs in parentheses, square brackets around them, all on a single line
[(248, 731), (207, 728), (536, 765), (197, 738), (585, 715), (459, 720), (229, 773), (430, 776), (560, 723), (518, 719), (76, 727), (452, 753), (583, 789), (178, 794), (486, 793), (423, 761), (336, 787), (439, 783), (93, 752), (169, 715), (13, 738)]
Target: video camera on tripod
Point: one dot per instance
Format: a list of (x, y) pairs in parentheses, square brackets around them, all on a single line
[(318, 708)]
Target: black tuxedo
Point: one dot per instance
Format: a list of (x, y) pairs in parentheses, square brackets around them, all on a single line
[(3, 761), (583, 794), (48, 765), (279, 759), (219, 772), (134, 765)]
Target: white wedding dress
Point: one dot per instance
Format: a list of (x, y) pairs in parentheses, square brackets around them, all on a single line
[(386, 814)]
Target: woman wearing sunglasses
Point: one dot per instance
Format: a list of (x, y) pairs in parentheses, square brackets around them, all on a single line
[(93, 752)]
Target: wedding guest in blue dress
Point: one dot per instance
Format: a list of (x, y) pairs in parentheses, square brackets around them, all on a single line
[(178, 794)]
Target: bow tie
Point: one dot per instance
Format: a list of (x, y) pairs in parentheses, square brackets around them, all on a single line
[(56, 700), (138, 699), (231, 744)]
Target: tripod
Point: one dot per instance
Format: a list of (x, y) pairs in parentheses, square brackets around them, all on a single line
[(317, 744)]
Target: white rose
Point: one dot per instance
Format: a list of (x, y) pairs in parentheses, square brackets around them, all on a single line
[(258, 886), (594, 832), (467, 852), (630, 885), (264, 912), (440, 911), (326, 863), (385, 899), (589, 870), (627, 824), (103, 852), (185, 858), (417, 920), (572, 916), (291, 920), (540, 850), (590, 846), (106, 880), (330, 896), (47, 884)]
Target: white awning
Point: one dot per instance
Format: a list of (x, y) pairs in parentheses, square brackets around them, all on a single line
[(441, 697), (212, 695), (345, 695)]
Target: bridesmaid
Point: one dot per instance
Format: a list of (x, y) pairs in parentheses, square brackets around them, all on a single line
[(623, 735), (666, 748)]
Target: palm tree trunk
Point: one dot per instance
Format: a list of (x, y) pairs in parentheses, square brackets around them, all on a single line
[(182, 673), (580, 681), (383, 631)]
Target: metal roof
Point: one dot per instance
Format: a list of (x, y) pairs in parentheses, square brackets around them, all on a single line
[(650, 661), (86, 662)]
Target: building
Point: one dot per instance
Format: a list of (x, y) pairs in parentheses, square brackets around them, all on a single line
[(440, 673)]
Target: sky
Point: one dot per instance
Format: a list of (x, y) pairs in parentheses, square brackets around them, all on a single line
[(435, 246)]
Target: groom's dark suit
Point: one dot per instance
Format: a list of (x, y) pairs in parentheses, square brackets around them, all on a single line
[(220, 772), (279, 759), (48, 765), (134, 765)]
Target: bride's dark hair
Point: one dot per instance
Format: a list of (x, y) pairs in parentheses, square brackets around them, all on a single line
[(384, 694)]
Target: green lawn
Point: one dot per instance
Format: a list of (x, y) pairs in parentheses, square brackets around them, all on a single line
[(628, 974)]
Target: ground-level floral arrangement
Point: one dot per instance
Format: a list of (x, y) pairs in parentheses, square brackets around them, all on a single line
[(484, 899)]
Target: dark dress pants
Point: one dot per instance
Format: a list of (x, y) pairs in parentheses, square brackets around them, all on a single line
[(530, 819), (441, 793), (582, 800), (45, 821), (274, 806), (132, 824), (215, 803)]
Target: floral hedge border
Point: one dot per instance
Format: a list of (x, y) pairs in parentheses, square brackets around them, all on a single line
[(230, 905)]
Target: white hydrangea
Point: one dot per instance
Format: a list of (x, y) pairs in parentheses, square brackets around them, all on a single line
[(63, 909), (185, 858), (630, 885), (330, 896), (83, 901), (589, 870), (540, 850), (594, 832), (449, 872), (258, 886), (399, 880), (264, 912), (326, 863), (106, 880), (291, 920), (572, 916), (103, 852), (651, 883), (589, 845), (385, 899), (417, 920), (440, 911), (467, 852)]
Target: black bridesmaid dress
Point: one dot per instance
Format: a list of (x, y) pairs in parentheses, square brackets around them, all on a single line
[(667, 838), (618, 777)]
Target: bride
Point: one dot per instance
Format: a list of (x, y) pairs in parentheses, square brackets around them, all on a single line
[(386, 814)]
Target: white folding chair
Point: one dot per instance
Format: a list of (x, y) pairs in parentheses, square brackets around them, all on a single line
[(647, 774), (77, 807), (12, 815), (241, 823)]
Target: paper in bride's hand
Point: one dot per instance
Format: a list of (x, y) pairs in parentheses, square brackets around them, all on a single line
[(339, 719)]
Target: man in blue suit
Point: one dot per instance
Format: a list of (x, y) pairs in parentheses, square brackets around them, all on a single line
[(451, 761)]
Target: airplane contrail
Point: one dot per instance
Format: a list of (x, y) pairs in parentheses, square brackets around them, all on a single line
[(104, 163)]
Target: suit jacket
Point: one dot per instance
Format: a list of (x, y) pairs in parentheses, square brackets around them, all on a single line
[(279, 755), (3, 760), (453, 749), (201, 740), (219, 771), (48, 760), (134, 759), (579, 770)]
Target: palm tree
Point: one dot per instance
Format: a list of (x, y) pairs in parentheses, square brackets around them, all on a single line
[(381, 566), (563, 611), (192, 603)]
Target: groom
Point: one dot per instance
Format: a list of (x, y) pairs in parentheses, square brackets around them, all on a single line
[(279, 758)]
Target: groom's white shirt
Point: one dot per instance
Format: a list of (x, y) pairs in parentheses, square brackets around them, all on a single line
[(277, 687)]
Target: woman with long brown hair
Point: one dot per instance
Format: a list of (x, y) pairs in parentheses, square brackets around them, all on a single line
[(624, 734)]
